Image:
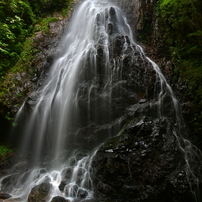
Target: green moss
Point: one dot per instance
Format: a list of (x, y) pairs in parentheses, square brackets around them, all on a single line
[(4, 152), (145, 33), (43, 24), (180, 22), (16, 24), (63, 12), (110, 143), (20, 57), (26, 56)]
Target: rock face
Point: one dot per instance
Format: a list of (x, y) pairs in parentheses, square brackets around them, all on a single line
[(143, 163), (4, 195), (148, 32)]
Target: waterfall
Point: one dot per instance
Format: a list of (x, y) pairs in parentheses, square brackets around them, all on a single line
[(75, 110)]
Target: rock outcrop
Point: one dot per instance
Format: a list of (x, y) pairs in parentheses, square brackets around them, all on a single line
[(144, 162), (40, 192), (150, 33)]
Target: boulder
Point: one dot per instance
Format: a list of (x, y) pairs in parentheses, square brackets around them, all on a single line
[(4, 195), (40, 192), (59, 199)]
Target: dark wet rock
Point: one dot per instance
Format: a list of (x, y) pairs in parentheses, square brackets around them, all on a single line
[(144, 163), (40, 192), (59, 199), (62, 185), (4, 195), (6, 164), (67, 174), (31, 100), (82, 193), (136, 81), (8, 181)]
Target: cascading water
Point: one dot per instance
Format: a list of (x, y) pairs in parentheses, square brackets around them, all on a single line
[(74, 111)]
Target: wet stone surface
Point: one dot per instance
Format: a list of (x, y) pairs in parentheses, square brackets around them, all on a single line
[(59, 199), (4, 195), (40, 192), (144, 163)]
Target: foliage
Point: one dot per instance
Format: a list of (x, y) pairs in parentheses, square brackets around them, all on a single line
[(180, 21), (19, 21), (44, 7), (4, 151), (10, 118), (44, 24), (26, 56), (144, 34), (16, 24)]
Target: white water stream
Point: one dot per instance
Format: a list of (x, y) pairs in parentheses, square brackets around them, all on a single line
[(52, 132)]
